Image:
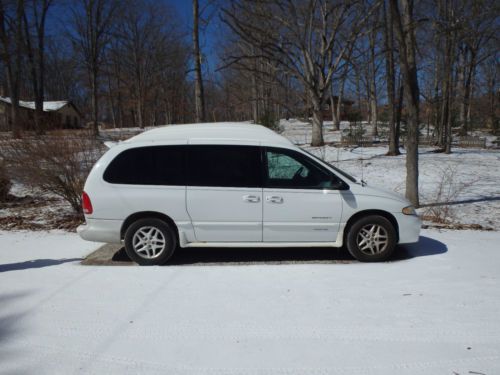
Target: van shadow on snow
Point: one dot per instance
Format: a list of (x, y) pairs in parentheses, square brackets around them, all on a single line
[(244, 256), (424, 247), (35, 263)]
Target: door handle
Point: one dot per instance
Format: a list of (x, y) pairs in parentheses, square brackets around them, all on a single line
[(274, 199), (251, 198)]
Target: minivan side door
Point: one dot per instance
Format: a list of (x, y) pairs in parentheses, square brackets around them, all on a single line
[(224, 192), (301, 201)]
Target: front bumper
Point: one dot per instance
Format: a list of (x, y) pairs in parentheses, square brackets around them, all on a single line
[(409, 227)]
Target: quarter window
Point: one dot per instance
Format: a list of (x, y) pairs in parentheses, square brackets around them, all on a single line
[(157, 165), (227, 166)]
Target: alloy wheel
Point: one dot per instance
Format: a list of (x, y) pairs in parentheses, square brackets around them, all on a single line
[(148, 242), (372, 239)]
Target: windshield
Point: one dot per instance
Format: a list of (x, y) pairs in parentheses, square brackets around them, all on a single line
[(346, 175)]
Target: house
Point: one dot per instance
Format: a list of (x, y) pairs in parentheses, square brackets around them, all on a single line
[(345, 108), (56, 114)]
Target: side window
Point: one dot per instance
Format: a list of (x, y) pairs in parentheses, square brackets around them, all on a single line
[(226, 166), (291, 170), (157, 165)]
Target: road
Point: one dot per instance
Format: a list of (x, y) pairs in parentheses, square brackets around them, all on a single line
[(433, 311)]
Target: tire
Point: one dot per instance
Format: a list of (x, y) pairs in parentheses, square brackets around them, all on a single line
[(371, 239), (150, 242)]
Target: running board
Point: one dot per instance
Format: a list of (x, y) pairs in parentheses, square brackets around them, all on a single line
[(262, 244)]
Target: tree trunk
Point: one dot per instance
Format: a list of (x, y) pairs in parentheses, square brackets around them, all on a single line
[(461, 73), (468, 90), (40, 95), (12, 68), (340, 98), (140, 120), (447, 88), (334, 112), (95, 104), (435, 107), (16, 113), (317, 123), (36, 59), (399, 109), (403, 25), (255, 96), (198, 86), (391, 80), (470, 93), (373, 84), (111, 102)]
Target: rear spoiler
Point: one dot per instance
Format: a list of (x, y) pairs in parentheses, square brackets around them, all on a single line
[(110, 144)]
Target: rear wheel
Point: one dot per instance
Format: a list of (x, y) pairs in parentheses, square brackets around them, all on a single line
[(372, 238), (150, 241)]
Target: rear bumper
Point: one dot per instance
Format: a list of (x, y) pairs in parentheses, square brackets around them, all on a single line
[(98, 230), (409, 228)]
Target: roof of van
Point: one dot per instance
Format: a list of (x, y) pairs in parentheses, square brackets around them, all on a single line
[(233, 131)]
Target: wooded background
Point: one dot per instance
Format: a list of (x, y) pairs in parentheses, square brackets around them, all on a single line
[(426, 66)]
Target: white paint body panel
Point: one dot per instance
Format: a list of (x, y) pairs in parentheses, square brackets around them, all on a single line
[(208, 216), (224, 215), (301, 215)]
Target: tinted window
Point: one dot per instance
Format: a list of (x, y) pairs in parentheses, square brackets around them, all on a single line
[(292, 170), (220, 165), (340, 171), (158, 165)]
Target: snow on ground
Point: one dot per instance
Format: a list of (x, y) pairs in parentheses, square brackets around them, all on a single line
[(469, 179), (434, 312)]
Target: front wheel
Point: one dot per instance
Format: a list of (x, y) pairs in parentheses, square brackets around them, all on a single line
[(150, 242), (371, 239)]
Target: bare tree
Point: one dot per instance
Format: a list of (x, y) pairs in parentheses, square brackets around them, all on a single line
[(390, 81), (34, 38), (11, 38), (62, 72), (92, 22), (479, 26), (372, 73), (198, 85), (404, 24), (307, 39), (146, 65)]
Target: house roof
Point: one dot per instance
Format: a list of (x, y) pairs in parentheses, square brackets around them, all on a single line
[(48, 106), (336, 98)]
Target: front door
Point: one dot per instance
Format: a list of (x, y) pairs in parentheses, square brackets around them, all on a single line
[(224, 192), (300, 204)]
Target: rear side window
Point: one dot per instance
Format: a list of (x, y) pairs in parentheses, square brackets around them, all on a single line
[(156, 165), (221, 165)]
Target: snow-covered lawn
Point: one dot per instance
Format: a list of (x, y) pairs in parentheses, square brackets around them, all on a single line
[(465, 185), (435, 312), (467, 179)]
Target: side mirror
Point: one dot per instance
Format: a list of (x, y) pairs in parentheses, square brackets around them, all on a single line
[(338, 184)]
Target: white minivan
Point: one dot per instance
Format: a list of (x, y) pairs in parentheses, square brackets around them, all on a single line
[(234, 185)]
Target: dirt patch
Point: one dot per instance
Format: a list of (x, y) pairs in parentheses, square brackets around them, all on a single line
[(115, 255), (432, 222), (108, 255), (33, 212)]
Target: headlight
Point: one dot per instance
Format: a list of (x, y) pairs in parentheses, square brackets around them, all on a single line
[(410, 210)]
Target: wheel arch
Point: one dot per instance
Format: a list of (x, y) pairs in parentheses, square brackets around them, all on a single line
[(360, 214), (147, 215)]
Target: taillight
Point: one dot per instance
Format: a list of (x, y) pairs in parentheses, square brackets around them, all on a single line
[(86, 204)]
